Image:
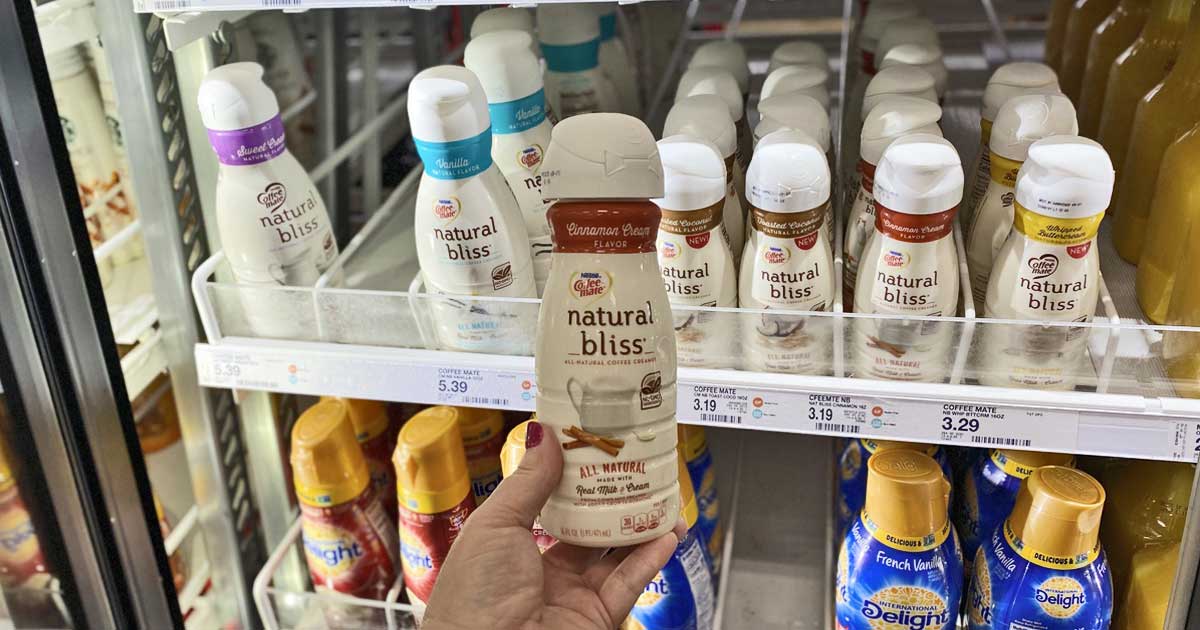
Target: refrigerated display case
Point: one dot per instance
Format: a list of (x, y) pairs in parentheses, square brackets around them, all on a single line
[(187, 368)]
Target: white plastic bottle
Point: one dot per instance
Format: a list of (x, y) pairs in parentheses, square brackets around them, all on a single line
[(273, 223), (873, 26), (1008, 81), (705, 116), (470, 233), (507, 19), (790, 266), (893, 117), (570, 41), (806, 79), (908, 30), (693, 256), (796, 53), (615, 61), (900, 79), (910, 263), (719, 82), (270, 39), (729, 55), (798, 111), (1021, 122), (512, 80), (1049, 268), (925, 56)]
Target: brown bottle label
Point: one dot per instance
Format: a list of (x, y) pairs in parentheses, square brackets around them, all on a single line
[(729, 168), (867, 171), (914, 228), (692, 222), (802, 227), (618, 226)]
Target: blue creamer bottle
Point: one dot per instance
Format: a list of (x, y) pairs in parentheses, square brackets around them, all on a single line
[(900, 566), (1043, 567), (693, 445), (989, 490), (852, 469), (682, 595)]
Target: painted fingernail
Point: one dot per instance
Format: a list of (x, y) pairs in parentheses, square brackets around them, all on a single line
[(533, 434)]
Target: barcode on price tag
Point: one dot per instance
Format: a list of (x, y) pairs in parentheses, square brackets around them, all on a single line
[(711, 404), (991, 425), (1185, 441), (482, 388)]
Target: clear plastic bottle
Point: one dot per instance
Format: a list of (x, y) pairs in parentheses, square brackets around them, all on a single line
[(1172, 215), (1115, 34), (570, 39), (1163, 115), (1056, 31), (1088, 14)]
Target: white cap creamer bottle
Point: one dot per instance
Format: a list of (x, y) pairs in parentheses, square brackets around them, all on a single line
[(605, 355), (570, 40)]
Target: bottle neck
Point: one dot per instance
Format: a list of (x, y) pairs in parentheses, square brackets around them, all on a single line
[(1189, 51), (1168, 19)]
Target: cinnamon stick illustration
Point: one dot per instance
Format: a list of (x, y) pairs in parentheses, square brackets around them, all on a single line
[(611, 446)]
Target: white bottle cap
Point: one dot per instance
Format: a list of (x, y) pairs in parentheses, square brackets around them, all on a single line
[(703, 116), (446, 103), (1066, 177), (565, 24), (899, 80), (503, 63), (693, 173), (794, 111), (602, 156), (877, 19), (805, 79), (65, 63), (788, 173), (798, 53), (919, 174), (502, 19), (893, 117), (908, 30), (927, 57), (712, 80), (1016, 79), (233, 96), (728, 54), (1026, 119)]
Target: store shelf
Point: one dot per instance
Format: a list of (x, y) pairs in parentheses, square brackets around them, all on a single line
[(171, 6)]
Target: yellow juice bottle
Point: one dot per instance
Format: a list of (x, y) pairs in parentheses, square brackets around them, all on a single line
[(1141, 67), (1111, 38), (1164, 114), (1181, 349), (1176, 203), (1151, 574), (1056, 31), (1088, 14)]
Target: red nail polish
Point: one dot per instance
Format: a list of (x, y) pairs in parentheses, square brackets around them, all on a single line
[(533, 434)]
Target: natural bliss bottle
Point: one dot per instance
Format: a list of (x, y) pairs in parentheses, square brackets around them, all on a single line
[(570, 40), (470, 232), (727, 54), (705, 116), (720, 82), (900, 566), (1049, 268), (1043, 567), (798, 52), (512, 79), (910, 264), (693, 253), (803, 113), (891, 118), (895, 80), (788, 264), (348, 539), (926, 56), (605, 355), (805, 79), (511, 455), (273, 224), (434, 490), (1021, 122)]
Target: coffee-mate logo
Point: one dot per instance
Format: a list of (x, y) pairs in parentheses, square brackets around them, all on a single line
[(776, 255), (905, 608), (590, 285), (668, 250), (273, 196), (415, 556), (335, 552), (530, 157), (895, 259), (655, 591), (1042, 266), (447, 209), (18, 540), (1060, 597)]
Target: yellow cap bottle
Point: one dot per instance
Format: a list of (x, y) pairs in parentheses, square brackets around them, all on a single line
[(483, 436), (1088, 14), (1057, 514), (371, 422), (1115, 34), (328, 466), (908, 496), (510, 459), (431, 466), (1172, 214)]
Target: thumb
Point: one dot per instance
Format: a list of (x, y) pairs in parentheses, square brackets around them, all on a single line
[(519, 498)]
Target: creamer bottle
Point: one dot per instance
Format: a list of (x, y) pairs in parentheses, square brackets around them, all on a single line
[(271, 39), (434, 491), (852, 472), (910, 264), (693, 251), (797, 112), (727, 54), (989, 491), (570, 40), (273, 224), (897, 80), (120, 210), (706, 116), (1044, 567), (482, 438), (798, 53), (372, 430), (891, 118), (605, 356), (805, 79), (1171, 218), (1112, 37), (470, 232), (512, 80), (693, 445), (900, 565), (615, 61), (682, 594), (1021, 122), (511, 455), (873, 26), (908, 30), (788, 264), (348, 540), (1008, 81), (720, 82), (1081, 25), (22, 562), (926, 56), (507, 19), (1049, 268)]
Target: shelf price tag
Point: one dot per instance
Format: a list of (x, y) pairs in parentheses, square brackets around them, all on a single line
[(1004, 427), (1185, 441), (852, 415), (482, 388), (714, 404)]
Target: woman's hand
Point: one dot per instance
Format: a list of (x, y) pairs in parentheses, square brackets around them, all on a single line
[(495, 579)]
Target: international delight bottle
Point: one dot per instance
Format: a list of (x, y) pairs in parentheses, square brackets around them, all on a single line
[(605, 355), (470, 232)]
